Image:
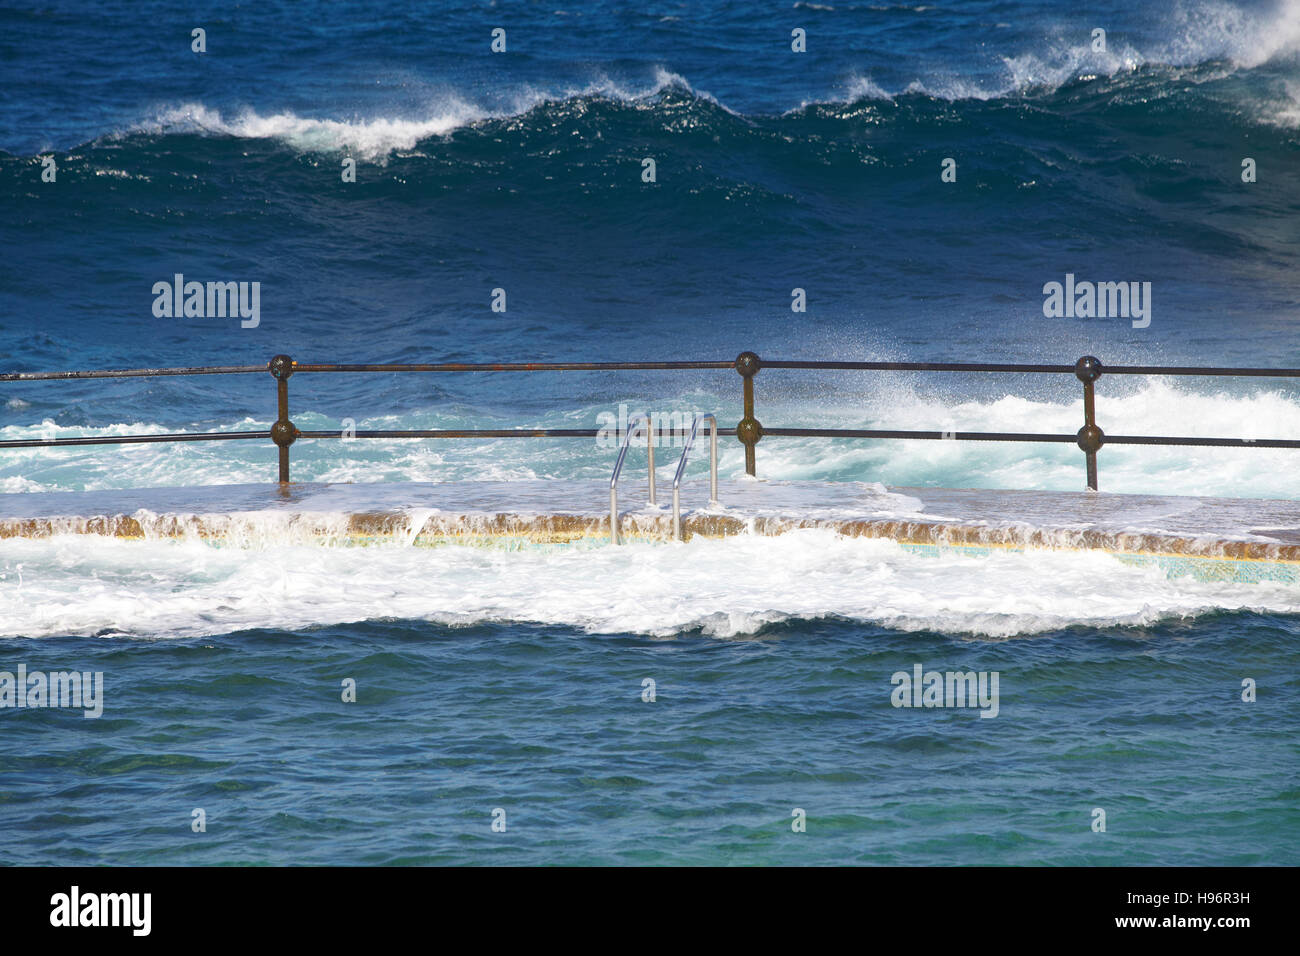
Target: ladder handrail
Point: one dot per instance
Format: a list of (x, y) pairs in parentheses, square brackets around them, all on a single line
[(681, 469), (632, 425)]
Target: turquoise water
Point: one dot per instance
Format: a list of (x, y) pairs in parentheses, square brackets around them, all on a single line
[(549, 724)]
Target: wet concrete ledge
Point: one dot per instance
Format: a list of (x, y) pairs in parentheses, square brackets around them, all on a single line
[(1205, 531)]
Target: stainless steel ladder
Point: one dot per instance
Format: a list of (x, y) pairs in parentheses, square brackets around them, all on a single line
[(632, 427), (644, 422), (681, 470)]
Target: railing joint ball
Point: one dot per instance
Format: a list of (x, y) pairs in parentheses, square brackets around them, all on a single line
[(748, 429), (1091, 438), (281, 367), (1088, 369), (284, 434)]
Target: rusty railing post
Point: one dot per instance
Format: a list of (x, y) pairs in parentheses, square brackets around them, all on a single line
[(748, 429), (283, 432), (1088, 370)]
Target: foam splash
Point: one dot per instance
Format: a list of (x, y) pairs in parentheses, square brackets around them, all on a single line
[(1197, 35), (1208, 31), (87, 586), (367, 139), (374, 139)]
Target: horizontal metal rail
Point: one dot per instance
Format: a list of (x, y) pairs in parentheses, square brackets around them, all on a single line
[(1031, 369), (131, 373), (1024, 437), (1090, 438), (515, 367), (596, 432), (359, 433), (132, 439), (457, 433), (681, 469), (649, 366)]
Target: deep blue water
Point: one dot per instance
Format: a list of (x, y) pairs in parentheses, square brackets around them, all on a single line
[(523, 171)]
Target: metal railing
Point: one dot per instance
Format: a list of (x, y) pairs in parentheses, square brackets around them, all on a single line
[(1089, 438), (1087, 370), (681, 469), (633, 424)]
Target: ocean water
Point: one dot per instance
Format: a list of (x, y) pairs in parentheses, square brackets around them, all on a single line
[(514, 680)]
